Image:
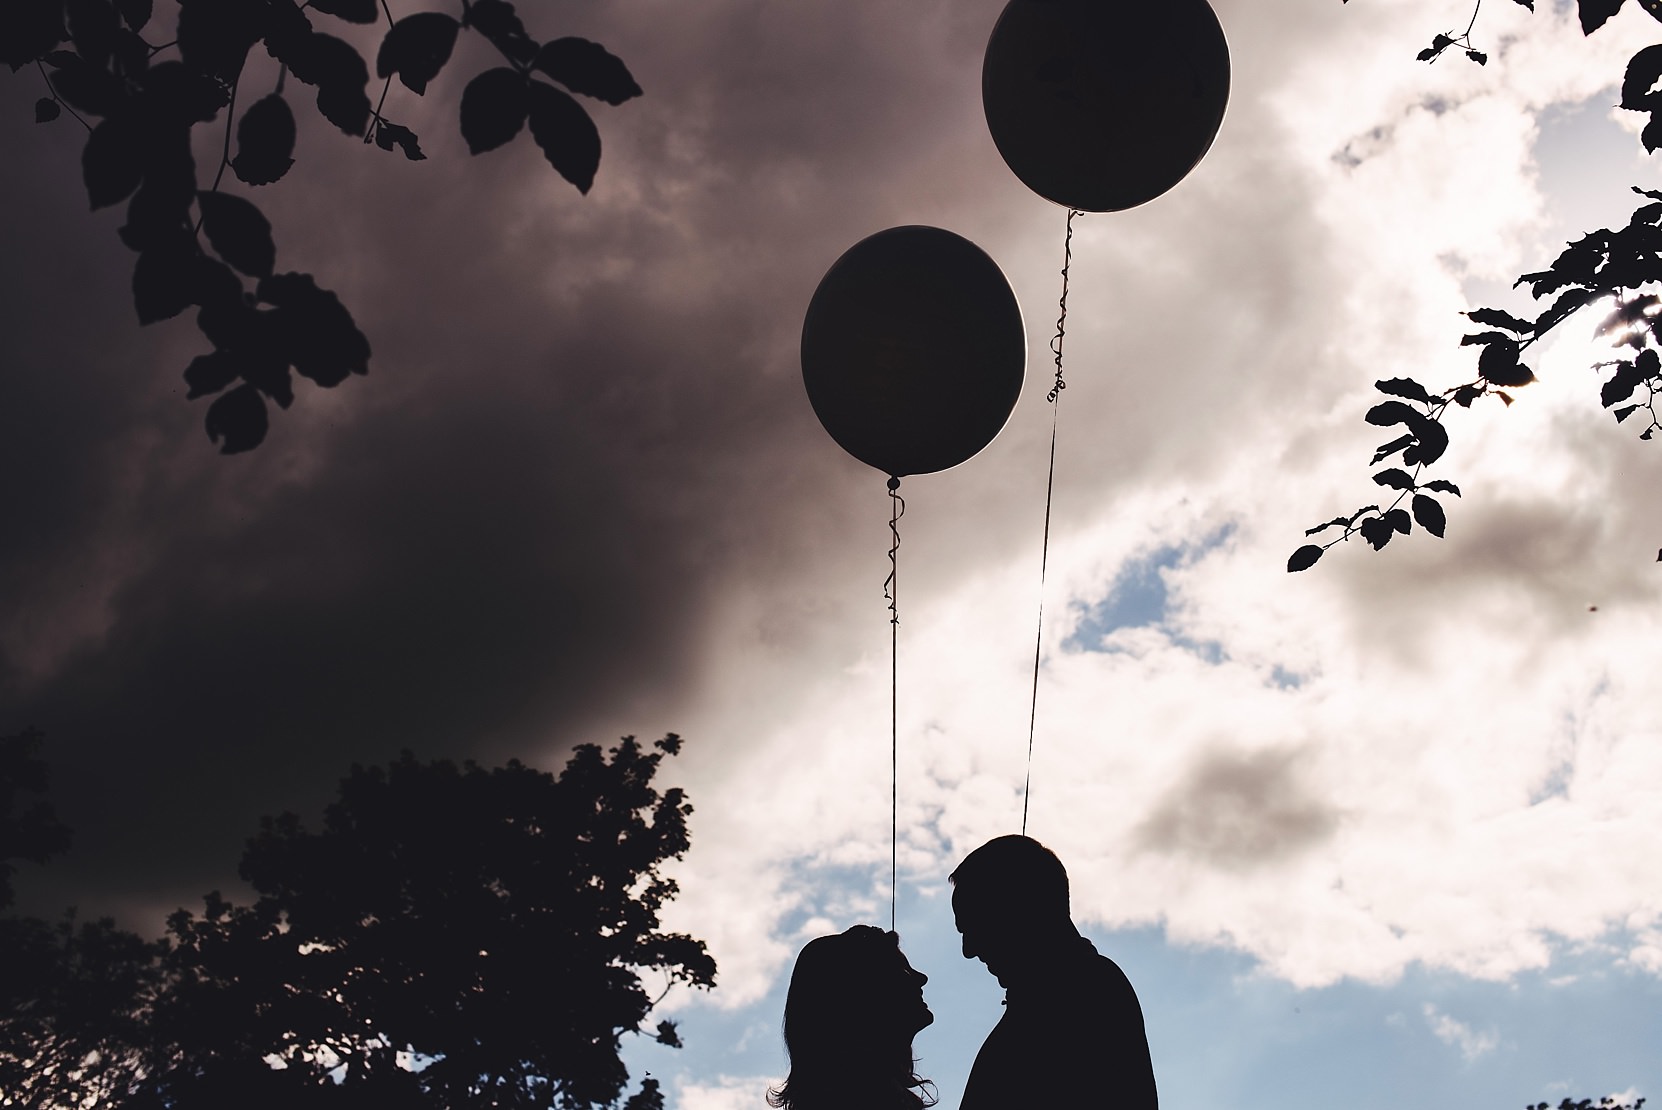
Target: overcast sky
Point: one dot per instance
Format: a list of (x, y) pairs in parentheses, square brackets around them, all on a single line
[(1414, 795)]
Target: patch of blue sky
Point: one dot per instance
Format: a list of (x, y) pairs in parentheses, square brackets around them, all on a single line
[(1139, 598), (1225, 1034)]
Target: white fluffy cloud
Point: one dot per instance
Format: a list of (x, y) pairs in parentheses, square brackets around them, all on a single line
[(1458, 1034), (1444, 753)]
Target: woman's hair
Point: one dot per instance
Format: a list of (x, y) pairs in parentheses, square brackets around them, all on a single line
[(843, 1055)]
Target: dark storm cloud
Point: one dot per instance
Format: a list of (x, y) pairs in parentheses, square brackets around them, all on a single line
[(1239, 811), (582, 431)]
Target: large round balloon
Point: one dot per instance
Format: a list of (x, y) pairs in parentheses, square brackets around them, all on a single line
[(913, 350), (1102, 105)]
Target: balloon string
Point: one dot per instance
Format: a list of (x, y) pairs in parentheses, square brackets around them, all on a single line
[(891, 594), (1062, 317), (1054, 397)]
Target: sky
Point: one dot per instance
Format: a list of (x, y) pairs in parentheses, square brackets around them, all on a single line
[(1383, 831)]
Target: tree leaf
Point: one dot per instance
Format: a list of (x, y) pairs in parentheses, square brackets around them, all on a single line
[(1304, 558), (214, 36), (47, 110), (416, 48), (1478, 56), (1376, 531), (1465, 395), (1429, 514), (1644, 69), (342, 79), (209, 374), (1624, 412), (239, 233), (496, 20), (288, 33), (1406, 387), (1384, 450), (1499, 365), (588, 68), (135, 13), (239, 418), (494, 106), (93, 26), (112, 162), (317, 332), (163, 202), (1336, 522), (565, 133), (1621, 385), (1651, 136), (1530, 4), (130, 54), (267, 371), (86, 88), (1486, 337), (164, 280), (181, 95), (234, 325), (1496, 318), (1594, 13), (161, 207), (1396, 479), (389, 135), (1399, 520), (1430, 441), (1387, 413), (1654, 7), (1442, 486), (353, 11), (265, 141), (28, 30)]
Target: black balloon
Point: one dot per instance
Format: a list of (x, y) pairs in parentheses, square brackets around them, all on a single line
[(913, 350), (1102, 105)]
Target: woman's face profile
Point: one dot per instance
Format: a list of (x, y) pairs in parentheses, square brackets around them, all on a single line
[(907, 1003)]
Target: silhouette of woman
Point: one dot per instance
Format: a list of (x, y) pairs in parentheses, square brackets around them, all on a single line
[(853, 1008)]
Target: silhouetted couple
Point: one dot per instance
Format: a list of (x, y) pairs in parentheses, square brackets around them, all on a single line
[(1072, 1032)]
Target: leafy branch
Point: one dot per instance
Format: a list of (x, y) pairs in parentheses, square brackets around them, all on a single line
[(197, 248), (1622, 268)]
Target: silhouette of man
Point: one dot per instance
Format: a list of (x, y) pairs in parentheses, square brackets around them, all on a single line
[(1072, 1032)]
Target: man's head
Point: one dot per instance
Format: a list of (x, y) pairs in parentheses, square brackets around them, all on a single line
[(1009, 900)]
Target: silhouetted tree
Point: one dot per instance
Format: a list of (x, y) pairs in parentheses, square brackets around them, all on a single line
[(29, 830), (72, 1000), (1618, 269), (452, 937), (75, 1005), (1606, 1103), (196, 246)]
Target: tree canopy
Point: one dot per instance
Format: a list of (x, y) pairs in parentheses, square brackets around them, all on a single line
[(450, 936)]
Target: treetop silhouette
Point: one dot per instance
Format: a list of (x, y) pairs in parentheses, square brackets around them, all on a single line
[(450, 937)]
